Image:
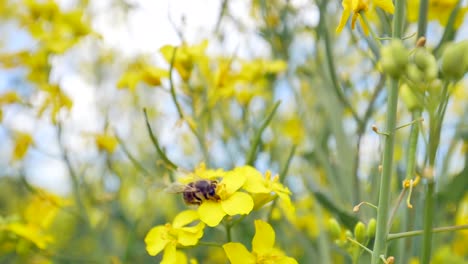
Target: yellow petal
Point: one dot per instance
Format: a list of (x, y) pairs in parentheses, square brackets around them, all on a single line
[(386, 5), (364, 26), (154, 240), (264, 238), (233, 181), (211, 213), (238, 203), (254, 183), (184, 218), (189, 236), (287, 260), (170, 256), (343, 20), (238, 254)]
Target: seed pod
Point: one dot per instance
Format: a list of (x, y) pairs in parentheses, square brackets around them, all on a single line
[(394, 58), (360, 232), (371, 227), (453, 60), (334, 228)]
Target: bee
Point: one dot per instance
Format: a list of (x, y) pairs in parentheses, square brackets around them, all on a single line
[(194, 193)]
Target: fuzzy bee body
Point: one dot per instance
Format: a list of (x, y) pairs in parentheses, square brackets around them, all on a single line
[(196, 192)]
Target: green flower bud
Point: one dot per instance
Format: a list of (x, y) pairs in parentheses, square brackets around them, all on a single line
[(414, 74), (334, 228), (453, 60), (371, 227), (394, 58), (409, 98), (426, 63), (360, 232)]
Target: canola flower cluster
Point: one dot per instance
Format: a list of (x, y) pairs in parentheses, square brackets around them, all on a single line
[(241, 191)]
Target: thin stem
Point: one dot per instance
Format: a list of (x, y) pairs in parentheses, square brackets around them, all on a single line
[(374, 36), (155, 142), (428, 219), (171, 83), (331, 64), (258, 135), (131, 157), (281, 180), (422, 18), (421, 232), (380, 246), (228, 227)]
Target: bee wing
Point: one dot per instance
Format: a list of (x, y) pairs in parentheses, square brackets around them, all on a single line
[(176, 187)]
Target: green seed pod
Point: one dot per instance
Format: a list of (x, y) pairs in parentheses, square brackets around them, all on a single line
[(360, 232), (371, 227), (394, 58), (334, 228), (453, 60)]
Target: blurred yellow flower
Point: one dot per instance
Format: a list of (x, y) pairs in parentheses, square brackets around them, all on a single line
[(168, 237), (232, 201), (356, 7), (22, 143), (263, 250), (138, 72), (38, 217), (439, 10), (54, 99), (106, 142), (185, 58)]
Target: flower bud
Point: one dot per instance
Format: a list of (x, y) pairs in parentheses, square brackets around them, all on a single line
[(426, 63), (414, 74), (409, 98), (371, 227), (360, 232), (394, 58), (334, 228), (454, 61)]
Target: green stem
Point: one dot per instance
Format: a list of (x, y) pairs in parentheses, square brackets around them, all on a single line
[(281, 180), (412, 145), (380, 245), (228, 227), (420, 232), (331, 64), (422, 18), (155, 142), (258, 135), (131, 157), (428, 216)]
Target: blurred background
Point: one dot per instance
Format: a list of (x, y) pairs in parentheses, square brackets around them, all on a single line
[(81, 179)]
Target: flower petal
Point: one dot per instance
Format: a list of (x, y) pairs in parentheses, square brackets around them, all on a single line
[(343, 20), (154, 240), (233, 181), (211, 213), (264, 238), (255, 183), (238, 203), (184, 218), (287, 260), (238, 254), (170, 255), (386, 5), (189, 236)]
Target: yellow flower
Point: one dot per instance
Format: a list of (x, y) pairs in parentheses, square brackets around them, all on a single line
[(168, 237), (232, 201), (439, 10), (265, 188), (357, 6), (186, 57), (138, 72), (106, 142), (263, 250), (38, 217), (22, 143)]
